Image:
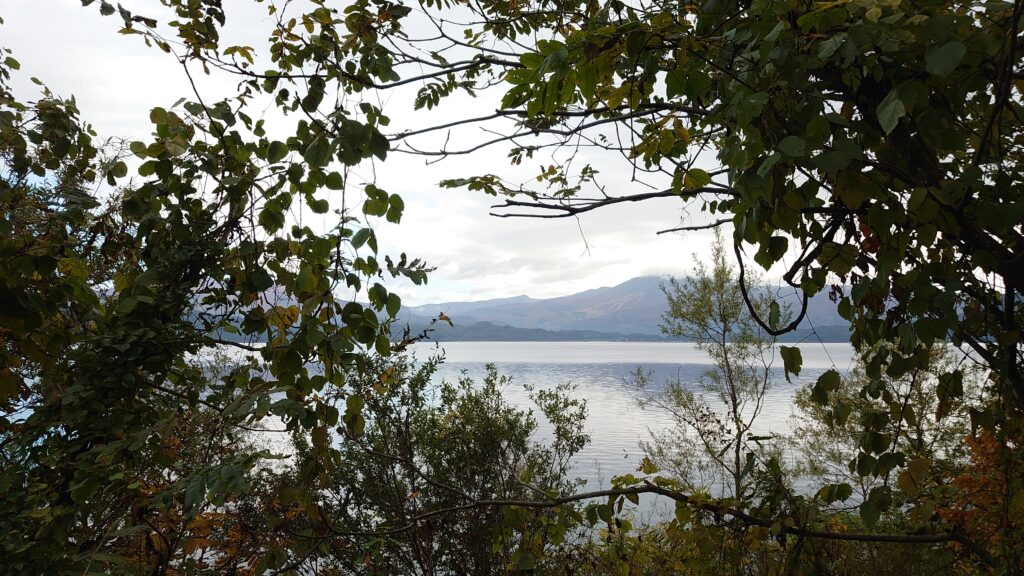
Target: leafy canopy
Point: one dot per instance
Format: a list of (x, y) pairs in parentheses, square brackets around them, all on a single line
[(868, 146), (871, 148), (112, 283)]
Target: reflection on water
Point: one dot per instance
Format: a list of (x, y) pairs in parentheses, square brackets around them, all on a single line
[(599, 369)]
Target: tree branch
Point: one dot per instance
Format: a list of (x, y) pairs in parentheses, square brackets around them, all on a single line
[(710, 226), (714, 508), (562, 208)]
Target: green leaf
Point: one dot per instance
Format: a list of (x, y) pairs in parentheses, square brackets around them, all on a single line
[(695, 178), (826, 383), (276, 152), (890, 111), (838, 258), (260, 279), (835, 492), (751, 107), (525, 563), (138, 148), (768, 163), (818, 130), (354, 413), (119, 170), (378, 295), (82, 491), (394, 304), (518, 76), (697, 83), (675, 83), (335, 181), (319, 437), (889, 460), (840, 413), (315, 337), (777, 247), (874, 442), (360, 238), (941, 61), (793, 146), (318, 206), (647, 466), (195, 493), (828, 47), (271, 218), (305, 281), (871, 509), (792, 360), (395, 208), (158, 116), (318, 152), (378, 145), (844, 150), (950, 388)]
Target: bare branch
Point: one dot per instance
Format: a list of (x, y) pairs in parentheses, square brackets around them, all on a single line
[(564, 207), (710, 226)]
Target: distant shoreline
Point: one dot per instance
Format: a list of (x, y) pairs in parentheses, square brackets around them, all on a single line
[(490, 332)]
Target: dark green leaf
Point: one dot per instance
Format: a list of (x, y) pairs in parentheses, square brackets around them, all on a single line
[(890, 111), (276, 152), (941, 61), (792, 360), (793, 146), (826, 383)]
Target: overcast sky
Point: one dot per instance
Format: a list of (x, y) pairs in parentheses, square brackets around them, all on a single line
[(117, 80)]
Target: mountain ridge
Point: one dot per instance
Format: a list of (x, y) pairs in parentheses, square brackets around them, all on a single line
[(631, 310)]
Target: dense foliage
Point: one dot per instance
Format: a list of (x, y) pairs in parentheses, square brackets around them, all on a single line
[(111, 284), (868, 146)]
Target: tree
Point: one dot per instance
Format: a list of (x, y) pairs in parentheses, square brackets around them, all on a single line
[(401, 496), (111, 284), (430, 450), (871, 148), (986, 503), (712, 432), (916, 452)]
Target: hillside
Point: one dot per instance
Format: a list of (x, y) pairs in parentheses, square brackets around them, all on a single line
[(629, 311)]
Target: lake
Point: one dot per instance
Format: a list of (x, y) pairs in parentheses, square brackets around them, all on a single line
[(599, 369)]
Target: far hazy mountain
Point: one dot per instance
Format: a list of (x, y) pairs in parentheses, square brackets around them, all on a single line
[(630, 310), (461, 308), (635, 306)]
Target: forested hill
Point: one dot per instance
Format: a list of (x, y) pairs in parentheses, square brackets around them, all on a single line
[(629, 311)]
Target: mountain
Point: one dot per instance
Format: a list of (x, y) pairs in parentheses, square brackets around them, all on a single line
[(634, 306), (629, 311), (461, 308)]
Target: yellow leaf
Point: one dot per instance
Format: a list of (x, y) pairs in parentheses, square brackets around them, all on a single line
[(681, 131)]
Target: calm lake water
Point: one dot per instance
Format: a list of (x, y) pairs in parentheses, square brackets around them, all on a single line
[(599, 370)]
